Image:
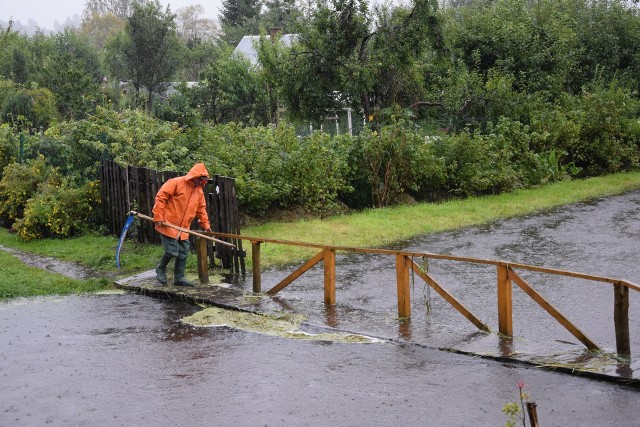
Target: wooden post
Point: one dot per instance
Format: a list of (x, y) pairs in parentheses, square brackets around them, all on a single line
[(402, 278), (329, 276), (505, 310), (621, 319), (203, 261), (533, 414), (255, 261)]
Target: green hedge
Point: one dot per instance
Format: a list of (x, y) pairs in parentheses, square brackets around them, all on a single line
[(593, 133)]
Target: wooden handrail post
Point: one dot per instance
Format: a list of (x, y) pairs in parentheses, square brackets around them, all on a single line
[(402, 278), (533, 414), (505, 309), (255, 262), (203, 261), (621, 319), (329, 276)]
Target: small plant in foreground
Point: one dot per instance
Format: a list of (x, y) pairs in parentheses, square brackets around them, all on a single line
[(515, 411)]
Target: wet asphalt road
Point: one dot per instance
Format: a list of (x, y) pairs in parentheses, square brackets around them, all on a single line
[(122, 360), (127, 360)]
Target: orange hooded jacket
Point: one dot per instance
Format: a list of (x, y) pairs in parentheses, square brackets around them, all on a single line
[(179, 201)]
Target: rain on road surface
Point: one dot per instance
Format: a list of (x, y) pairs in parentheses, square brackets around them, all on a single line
[(125, 359)]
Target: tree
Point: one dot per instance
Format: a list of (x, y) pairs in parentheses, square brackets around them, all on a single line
[(231, 91), (345, 58), (148, 52), (14, 54), (192, 28), (99, 28), (198, 34), (280, 14), (120, 8), (239, 18), (71, 69), (236, 12)]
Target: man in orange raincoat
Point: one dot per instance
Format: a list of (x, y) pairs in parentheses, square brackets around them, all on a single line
[(178, 202)]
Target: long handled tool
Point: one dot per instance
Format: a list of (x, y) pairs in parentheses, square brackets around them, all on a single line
[(134, 214)]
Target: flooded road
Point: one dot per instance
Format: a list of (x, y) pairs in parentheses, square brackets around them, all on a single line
[(122, 360), (126, 359)]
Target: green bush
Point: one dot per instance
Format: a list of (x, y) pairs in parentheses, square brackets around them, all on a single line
[(59, 211), (396, 160), (254, 156), (29, 108), (21, 182), (597, 131), (9, 151), (477, 164), (317, 169)]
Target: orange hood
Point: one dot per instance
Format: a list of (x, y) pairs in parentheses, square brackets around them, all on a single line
[(197, 170)]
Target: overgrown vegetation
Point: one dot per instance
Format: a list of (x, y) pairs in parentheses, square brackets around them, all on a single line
[(472, 99)]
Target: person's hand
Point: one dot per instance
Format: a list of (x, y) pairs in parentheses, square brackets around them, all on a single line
[(208, 230), (157, 223)]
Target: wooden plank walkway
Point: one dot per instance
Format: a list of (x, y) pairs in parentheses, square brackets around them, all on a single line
[(220, 295)]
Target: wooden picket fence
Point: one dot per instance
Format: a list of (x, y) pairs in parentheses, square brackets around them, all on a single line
[(127, 188)]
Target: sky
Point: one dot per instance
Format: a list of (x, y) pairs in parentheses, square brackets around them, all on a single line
[(46, 12)]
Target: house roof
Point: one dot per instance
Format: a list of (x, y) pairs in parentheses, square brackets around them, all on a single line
[(246, 46)]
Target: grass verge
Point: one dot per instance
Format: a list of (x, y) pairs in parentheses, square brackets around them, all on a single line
[(20, 280)]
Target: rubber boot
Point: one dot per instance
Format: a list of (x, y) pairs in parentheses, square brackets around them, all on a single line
[(179, 278), (161, 269)]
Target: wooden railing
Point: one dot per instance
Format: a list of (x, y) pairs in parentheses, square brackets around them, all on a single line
[(405, 264)]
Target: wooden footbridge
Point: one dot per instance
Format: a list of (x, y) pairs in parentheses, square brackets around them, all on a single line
[(506, 276)]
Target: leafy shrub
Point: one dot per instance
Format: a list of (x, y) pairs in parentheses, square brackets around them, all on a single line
[(476, 164), (8, 147), (255, 158), (397, 160), (598, 130), (317, 170), (19, 183), (176, 108), (29, 108), (59, 211)]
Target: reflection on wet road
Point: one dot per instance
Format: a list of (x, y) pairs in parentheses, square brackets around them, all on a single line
[(116, 360)]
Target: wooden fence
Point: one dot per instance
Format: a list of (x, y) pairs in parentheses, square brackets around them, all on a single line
[(132, 188)]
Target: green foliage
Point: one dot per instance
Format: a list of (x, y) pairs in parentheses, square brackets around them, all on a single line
[(130, 137), (512, 411), (19, 183), (398, 159), (476, 164), (344, 57), (177, 108), (25, 109), (72, 72), (231, 91), (254, 157), (273, 168), (8, 148), (597, 129), (317, 171), (149, 51), (59, 210)]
